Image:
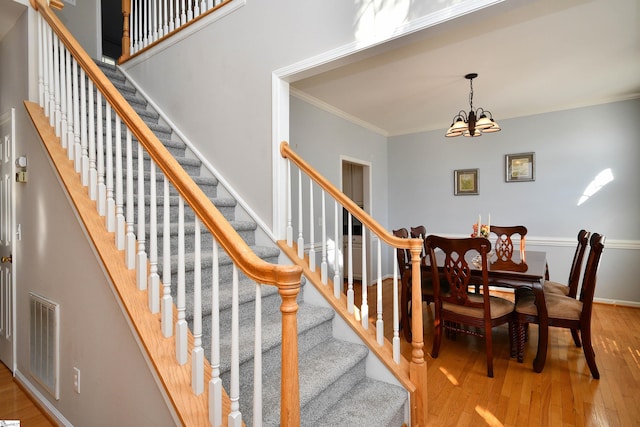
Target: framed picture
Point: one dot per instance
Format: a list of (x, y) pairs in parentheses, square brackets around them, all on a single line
[(520, 167), (465, 182)]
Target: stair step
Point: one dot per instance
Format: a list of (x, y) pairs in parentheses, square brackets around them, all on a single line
[(369, 403), (326, 373)]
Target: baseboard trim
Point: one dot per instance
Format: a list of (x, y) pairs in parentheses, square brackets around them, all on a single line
[(40, 400)]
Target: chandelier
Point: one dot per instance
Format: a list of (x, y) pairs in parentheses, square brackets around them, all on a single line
[(476, 122)]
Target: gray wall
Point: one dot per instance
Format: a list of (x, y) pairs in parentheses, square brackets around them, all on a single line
[(571, 148), (82, 19), (117, 387)]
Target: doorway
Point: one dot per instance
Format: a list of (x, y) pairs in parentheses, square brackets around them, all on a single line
[(356, 186)]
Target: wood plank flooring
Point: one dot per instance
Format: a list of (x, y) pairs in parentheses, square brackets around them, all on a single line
[(15, 404), (460, 393), (563, 394)]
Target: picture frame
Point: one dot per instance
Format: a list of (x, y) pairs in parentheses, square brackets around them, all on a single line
[(465, 182), (520, 167)]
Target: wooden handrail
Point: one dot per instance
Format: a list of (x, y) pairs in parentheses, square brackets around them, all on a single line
[(237, 249)]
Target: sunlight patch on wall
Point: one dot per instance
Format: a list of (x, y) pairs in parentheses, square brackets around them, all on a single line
[(602, 179), (379, 19)]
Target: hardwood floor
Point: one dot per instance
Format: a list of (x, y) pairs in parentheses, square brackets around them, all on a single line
[(563, 394), (15, 404), (460, 393)]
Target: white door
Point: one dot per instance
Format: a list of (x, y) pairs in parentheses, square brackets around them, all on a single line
[(7, 240)]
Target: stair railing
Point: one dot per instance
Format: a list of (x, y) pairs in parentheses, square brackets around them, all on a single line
[(309, 207), (94, 127), (147, 22)]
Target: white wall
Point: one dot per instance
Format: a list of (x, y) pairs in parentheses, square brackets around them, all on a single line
[(117, 387), (571, 148)]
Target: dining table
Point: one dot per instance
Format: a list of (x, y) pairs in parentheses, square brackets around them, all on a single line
[(521, 269)]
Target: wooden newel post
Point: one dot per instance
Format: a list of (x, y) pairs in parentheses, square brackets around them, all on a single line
[(418, 366), (126, 11), (289, 384)]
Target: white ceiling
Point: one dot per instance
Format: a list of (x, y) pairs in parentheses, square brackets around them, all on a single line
[(531, 57)]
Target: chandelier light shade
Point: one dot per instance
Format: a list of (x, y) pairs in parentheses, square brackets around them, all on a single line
[(475, 123)]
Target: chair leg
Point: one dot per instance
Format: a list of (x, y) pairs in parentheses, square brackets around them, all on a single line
[(576, 337), (513, 339), (521, 338), (488, 338), (589, 354)]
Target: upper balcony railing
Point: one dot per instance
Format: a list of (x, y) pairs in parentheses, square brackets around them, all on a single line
[(147, 22)]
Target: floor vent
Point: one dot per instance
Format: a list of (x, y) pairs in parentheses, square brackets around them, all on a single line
[(45, 342)]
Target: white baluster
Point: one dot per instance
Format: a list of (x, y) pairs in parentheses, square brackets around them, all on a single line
[(165, 19), (323, 264), (155, 20), (100, 186), (63, 95), (145, 23), (120, 220), (172, 21), (203, 6), (41, 60), (71, 123), (130, 238), (181, 324), (92, 173), (75, 152), (56, 85), (197, 354), (350, 294), (183, 16), (215, 384), (83, 160), (312, 243), (257, 360), (111, 204), (235, 417), (396, 317), (209, 4), (300, 222), (141, 258), (379, 320), (167, 301), (364, 310), (289, 207), (337, 280), (154, 279), (196, 9), (189, 11), (47, 72), (133, 46)]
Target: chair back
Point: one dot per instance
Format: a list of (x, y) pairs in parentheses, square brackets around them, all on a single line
[(456, 270), (420, 232), (576, 265), (403, 256), (588, 290), (504, 242)]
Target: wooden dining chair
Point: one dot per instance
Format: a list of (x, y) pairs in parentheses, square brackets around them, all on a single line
[(420, 232), (571, 287), (459, 308), (565, 311), (504, 242)]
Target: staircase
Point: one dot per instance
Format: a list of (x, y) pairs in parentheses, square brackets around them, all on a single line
[(334, 387)]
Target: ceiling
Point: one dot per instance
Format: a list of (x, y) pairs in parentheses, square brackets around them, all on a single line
[(531, 57)]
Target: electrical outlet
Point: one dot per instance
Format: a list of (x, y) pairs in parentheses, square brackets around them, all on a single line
[(76, 380)]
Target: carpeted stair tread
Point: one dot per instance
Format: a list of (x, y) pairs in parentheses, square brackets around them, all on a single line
[(309, 316), (320, 368), (206, 258), (371, 403)]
